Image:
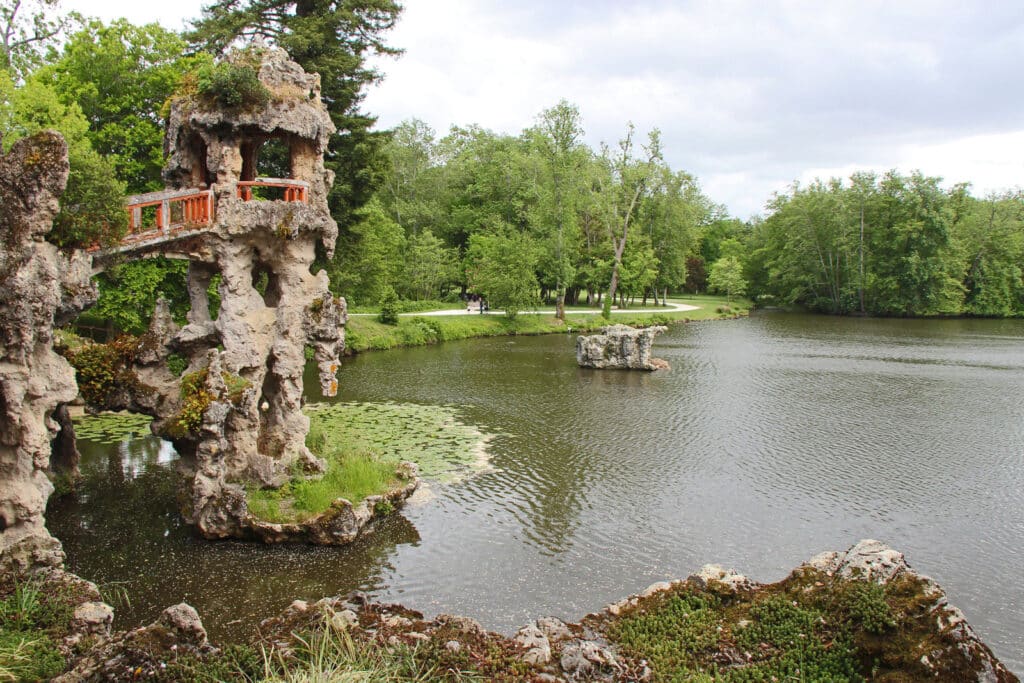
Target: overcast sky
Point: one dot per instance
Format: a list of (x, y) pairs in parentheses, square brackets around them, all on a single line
[(749, 96)]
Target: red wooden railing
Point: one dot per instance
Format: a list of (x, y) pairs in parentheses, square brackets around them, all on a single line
[(176, 209), (186, 210), (294, 190)]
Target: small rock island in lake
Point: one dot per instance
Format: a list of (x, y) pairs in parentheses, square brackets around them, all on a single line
[(620, 347)]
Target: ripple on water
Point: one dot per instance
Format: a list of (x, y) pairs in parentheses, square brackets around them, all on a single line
[(770, 439)]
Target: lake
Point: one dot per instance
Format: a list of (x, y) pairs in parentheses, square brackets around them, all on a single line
[(770, 439)]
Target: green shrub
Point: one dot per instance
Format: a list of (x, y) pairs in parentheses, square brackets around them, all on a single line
[(232, 85), (103, 369), (389, 307), (866, 604), (177, 364)]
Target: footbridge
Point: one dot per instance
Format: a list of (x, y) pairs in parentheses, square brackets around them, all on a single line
[(157, 220)]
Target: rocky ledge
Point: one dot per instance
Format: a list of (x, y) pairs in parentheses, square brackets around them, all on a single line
[(859, 615), (620, 347), (342, 522)]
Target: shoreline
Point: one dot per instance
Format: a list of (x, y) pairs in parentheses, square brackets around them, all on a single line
[(365, 333), (860, 614)]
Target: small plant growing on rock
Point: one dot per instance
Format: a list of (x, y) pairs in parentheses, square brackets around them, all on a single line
[(232, 85), (104, 369)]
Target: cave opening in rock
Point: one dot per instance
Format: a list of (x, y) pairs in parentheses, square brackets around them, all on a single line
[(267, 283)]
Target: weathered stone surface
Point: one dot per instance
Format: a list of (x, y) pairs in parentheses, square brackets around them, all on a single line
[(726, 577), (271, 306), (536, 644), (143, 652), (619, 347), (40, 287), (93, 618)]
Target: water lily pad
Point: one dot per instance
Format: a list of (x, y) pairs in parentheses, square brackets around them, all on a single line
[(434, 437), (112, 428)]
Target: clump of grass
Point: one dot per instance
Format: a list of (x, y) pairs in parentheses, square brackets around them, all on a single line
[(351, 474), (31, 617)]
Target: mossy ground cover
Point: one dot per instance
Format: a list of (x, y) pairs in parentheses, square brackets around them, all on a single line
[(112, 428), (34, 615), (365, 333), (808, 627), (363, 444)]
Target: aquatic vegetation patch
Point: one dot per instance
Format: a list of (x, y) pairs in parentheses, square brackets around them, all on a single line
[(363, 444), (350, 475), (434, 437), (112, 428)]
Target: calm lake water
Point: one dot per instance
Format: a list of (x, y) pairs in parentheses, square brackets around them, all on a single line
[(771, 438)]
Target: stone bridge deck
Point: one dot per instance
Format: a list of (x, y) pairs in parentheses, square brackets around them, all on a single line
[(159, 218)]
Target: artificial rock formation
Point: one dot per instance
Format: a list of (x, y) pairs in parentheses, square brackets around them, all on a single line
[(619, 347), (246, 363), (40, 287)]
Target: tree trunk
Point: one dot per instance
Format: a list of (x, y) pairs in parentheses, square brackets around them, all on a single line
[(560, 306)]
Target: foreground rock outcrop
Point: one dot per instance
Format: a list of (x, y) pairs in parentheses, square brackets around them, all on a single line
[(40, 287), (863, 614), (620, 347)]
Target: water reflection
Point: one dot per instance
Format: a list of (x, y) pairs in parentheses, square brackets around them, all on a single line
[(769, 439)]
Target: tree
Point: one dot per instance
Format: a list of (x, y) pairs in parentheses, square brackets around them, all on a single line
[(628, 178), (120, 76), (501, 268), (726, 276), (557, 139), (410, 190), (368, 260), (128, 292), (91, 208), (429, 267), (27, 29), (333, 38)]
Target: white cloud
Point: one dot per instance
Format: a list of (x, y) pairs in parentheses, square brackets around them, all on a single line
[(172, 15)]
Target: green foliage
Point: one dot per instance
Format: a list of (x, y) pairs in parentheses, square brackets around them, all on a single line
[(866, 603), (31, 615), (891, 245), (231, 85), (104, 369), (30, 28), (196, 398), (177, 364), (429, 267), (389, 307), (368, 259), (129, 291), (671, 635), (726, 276), (124, 113), (501, 269), (363, 444), (91, 209), (230, 663)]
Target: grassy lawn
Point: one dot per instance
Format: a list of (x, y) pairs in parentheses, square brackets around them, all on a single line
[(366, 333)]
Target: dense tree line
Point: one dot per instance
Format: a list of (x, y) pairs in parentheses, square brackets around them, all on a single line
[(523, 218), (893, 245), (518, 219)]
